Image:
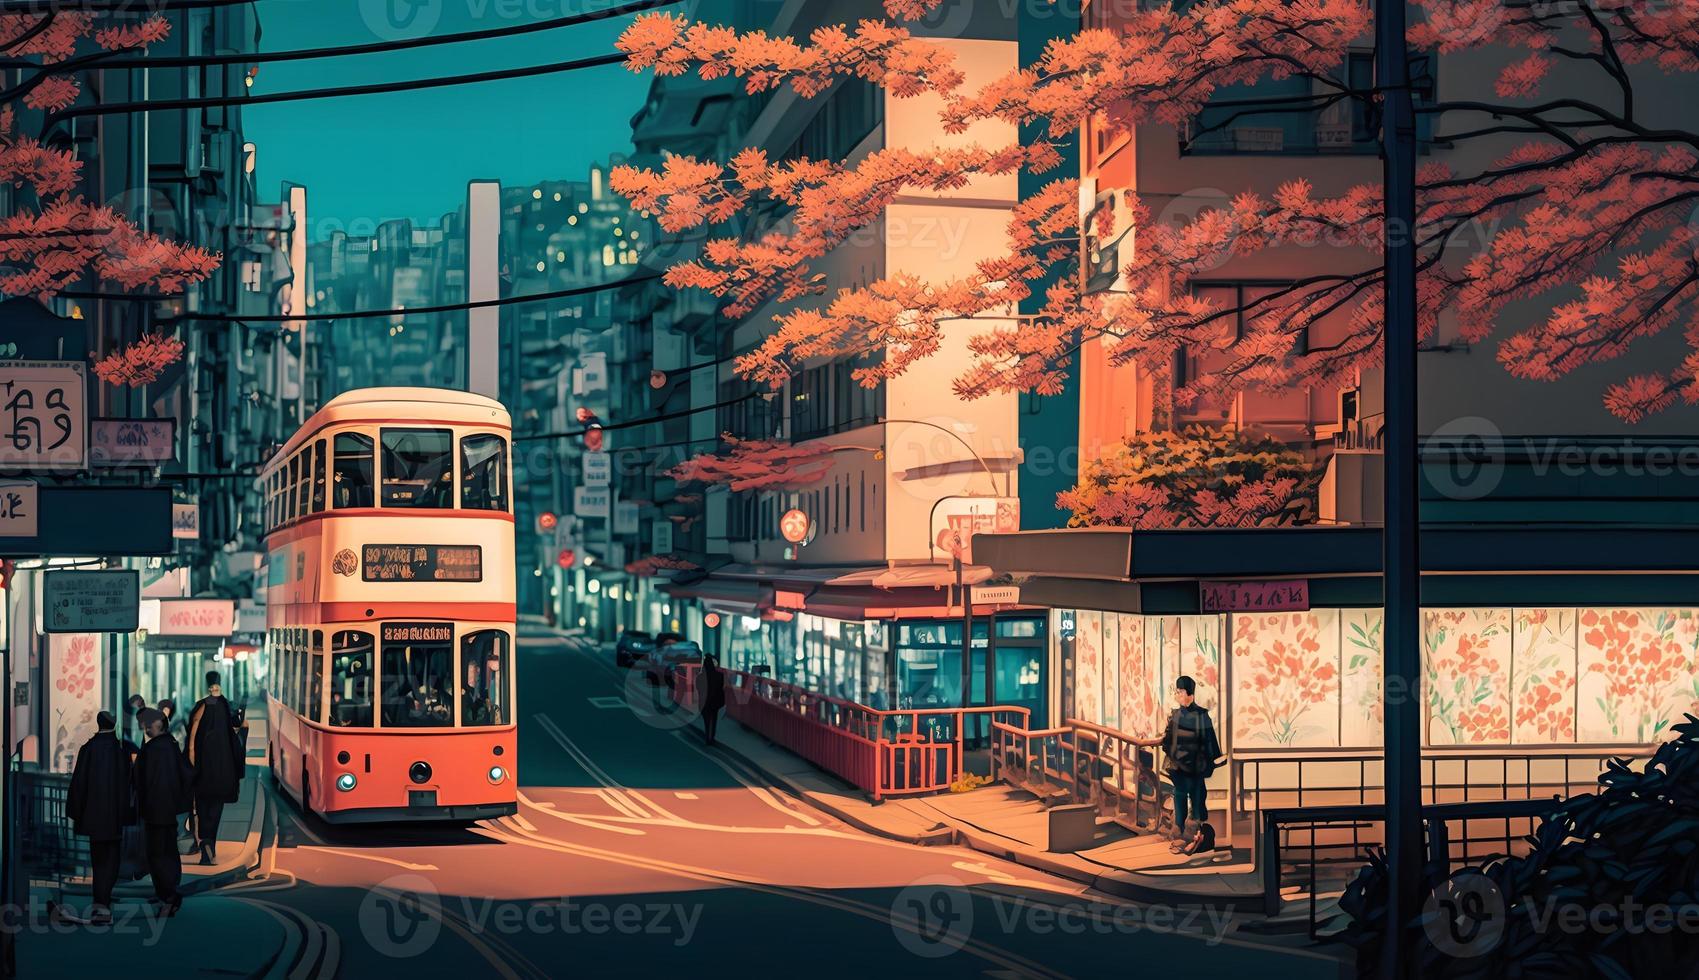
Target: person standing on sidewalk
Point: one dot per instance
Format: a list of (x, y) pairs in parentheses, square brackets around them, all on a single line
[(164, 785), (99, 807), (1192, 749), (713, 695), (213, 740)]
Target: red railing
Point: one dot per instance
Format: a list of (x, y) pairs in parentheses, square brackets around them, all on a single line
[(885, 753)]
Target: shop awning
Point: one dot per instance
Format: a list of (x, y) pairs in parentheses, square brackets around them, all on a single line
[(729, 595)]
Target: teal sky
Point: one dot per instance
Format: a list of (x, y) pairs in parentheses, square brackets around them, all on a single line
[(410, 154)]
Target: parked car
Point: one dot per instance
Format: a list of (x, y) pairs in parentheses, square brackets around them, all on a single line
[(632, 646), (660, 666)]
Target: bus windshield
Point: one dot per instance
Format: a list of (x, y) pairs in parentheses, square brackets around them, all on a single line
[(418, 468)]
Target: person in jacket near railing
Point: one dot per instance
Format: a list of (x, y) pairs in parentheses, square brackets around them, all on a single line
[(1193, 750), (713, 683)]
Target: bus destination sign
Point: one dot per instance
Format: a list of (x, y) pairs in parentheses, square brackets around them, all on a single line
[(417, 633), (423, 563)]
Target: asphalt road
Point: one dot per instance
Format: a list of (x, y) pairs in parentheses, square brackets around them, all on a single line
[(637, 851)]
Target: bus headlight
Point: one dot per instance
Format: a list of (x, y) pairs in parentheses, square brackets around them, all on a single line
[(345, 782), (497, 774)]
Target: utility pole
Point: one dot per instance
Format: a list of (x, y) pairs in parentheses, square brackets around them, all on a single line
[(1401, 565)]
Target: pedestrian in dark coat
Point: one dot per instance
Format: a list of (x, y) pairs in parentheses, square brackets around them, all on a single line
[(99, 807), (218, 768), (713, 695), (164, 790)]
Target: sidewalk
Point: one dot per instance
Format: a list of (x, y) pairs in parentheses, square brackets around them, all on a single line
[(211, 935), (1011, 824)]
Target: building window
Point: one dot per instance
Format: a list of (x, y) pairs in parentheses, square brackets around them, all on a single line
[(1301, 117), (353, 470)]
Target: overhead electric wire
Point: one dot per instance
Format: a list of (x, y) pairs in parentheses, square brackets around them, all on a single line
[(377, 47), (303, 95), (649, 420), (410, 311)]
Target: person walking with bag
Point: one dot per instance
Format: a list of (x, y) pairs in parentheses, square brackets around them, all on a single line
[(99, 807), (164, 790), (218, 763)]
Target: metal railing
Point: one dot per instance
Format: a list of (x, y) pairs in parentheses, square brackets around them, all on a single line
[(1081, 762), (883, 752), (1322, 847)]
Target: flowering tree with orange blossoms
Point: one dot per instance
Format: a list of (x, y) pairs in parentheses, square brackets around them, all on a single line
[(757, 464), (1591, 202), (52, 246)]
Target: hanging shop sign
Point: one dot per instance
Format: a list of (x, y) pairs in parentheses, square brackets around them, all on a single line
[(661, 537), (625, 517), (19, 514), (598, 469), (794, 525), (1287, 595), (592, 501), (91, 601), (132, 442), (186, 521), (43, 415), (193, 617), (955, 520)]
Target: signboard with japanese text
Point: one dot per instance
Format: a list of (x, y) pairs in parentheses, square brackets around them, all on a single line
[(250, 617), (1292, 595), (186, 521), (19, 509), (422, 563), (598, 469), (592, 501), (996, 595), (625, 517), (43, 415), (91, 601), (195, 617), (132, 442)]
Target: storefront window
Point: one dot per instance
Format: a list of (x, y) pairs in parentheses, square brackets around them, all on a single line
[(483, 477), (417, 685), (418, 468), (350, 679), (353, 479), (483, 676)]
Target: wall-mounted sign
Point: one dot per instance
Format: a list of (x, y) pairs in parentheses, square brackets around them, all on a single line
[(661, 537), (789, 600), (598, 469), (90, 601), (186, 521), (1291, 595), (192, 617), (625, 517), (794, 526), (422, 563), (43, 415), (592, 501), (417, 633), (955, 520), (250, 617), (19, 513), (132, 442), (996, 595)]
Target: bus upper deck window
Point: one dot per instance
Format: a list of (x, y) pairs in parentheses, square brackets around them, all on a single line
[(483, 473), (289, 495), (418, 468), (352, 482)]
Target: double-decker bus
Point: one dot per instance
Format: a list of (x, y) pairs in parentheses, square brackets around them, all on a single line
[(390, 609)]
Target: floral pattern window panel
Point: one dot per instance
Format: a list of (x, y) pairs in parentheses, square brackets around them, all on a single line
[(1466, 667), (1542, 676), (1088, 666), (1362, 719), (1639, 672), (1286, 688), (1141, 691)]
